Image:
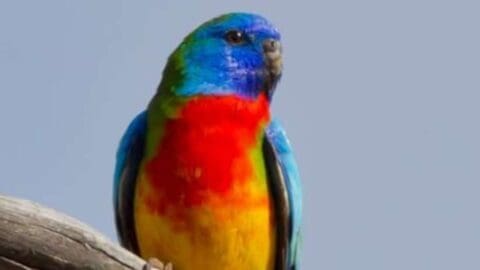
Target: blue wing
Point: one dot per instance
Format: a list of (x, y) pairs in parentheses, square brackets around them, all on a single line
[(129, 157), (285, 181)]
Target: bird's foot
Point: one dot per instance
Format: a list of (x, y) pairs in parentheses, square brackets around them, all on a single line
[(156, 264)]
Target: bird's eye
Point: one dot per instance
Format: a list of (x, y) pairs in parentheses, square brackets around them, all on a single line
[(235, 37)]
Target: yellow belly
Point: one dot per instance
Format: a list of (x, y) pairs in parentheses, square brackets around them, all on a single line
[(215, 235)]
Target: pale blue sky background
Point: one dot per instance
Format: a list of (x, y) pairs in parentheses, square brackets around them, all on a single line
[(380, 99)]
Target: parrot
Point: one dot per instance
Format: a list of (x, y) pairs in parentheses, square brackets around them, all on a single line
[(205, 178)]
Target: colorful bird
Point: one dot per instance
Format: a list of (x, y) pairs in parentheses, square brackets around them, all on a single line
[(204, 179)]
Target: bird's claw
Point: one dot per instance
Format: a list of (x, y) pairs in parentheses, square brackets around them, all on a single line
[(156, 264)]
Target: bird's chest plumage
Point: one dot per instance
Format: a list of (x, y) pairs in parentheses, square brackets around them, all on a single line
[(202, 198)]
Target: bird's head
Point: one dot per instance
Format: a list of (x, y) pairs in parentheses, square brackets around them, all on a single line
[(237, 53)]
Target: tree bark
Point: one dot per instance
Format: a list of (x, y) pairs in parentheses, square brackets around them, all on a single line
[(36, 237)]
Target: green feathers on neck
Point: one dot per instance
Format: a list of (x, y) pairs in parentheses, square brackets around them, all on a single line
[(174, 73), (166, 103)]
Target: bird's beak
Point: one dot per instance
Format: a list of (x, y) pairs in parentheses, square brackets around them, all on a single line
[(272, 51)]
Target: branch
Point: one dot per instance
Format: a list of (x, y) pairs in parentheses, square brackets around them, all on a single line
[(35, 237)]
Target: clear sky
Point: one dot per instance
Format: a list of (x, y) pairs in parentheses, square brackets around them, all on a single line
[(381, 100)]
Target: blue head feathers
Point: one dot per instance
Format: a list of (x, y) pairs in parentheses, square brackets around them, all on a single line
[(237, 53)]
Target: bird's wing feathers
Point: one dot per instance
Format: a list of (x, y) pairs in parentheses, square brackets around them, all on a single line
[(284, 181), (129, 157)]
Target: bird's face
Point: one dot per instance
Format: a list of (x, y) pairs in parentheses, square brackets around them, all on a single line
[(236, 53)]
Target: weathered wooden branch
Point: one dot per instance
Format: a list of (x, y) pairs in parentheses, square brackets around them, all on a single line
[(35, 237)]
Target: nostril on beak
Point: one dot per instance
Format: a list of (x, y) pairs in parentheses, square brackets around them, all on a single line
[(271, 45)]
